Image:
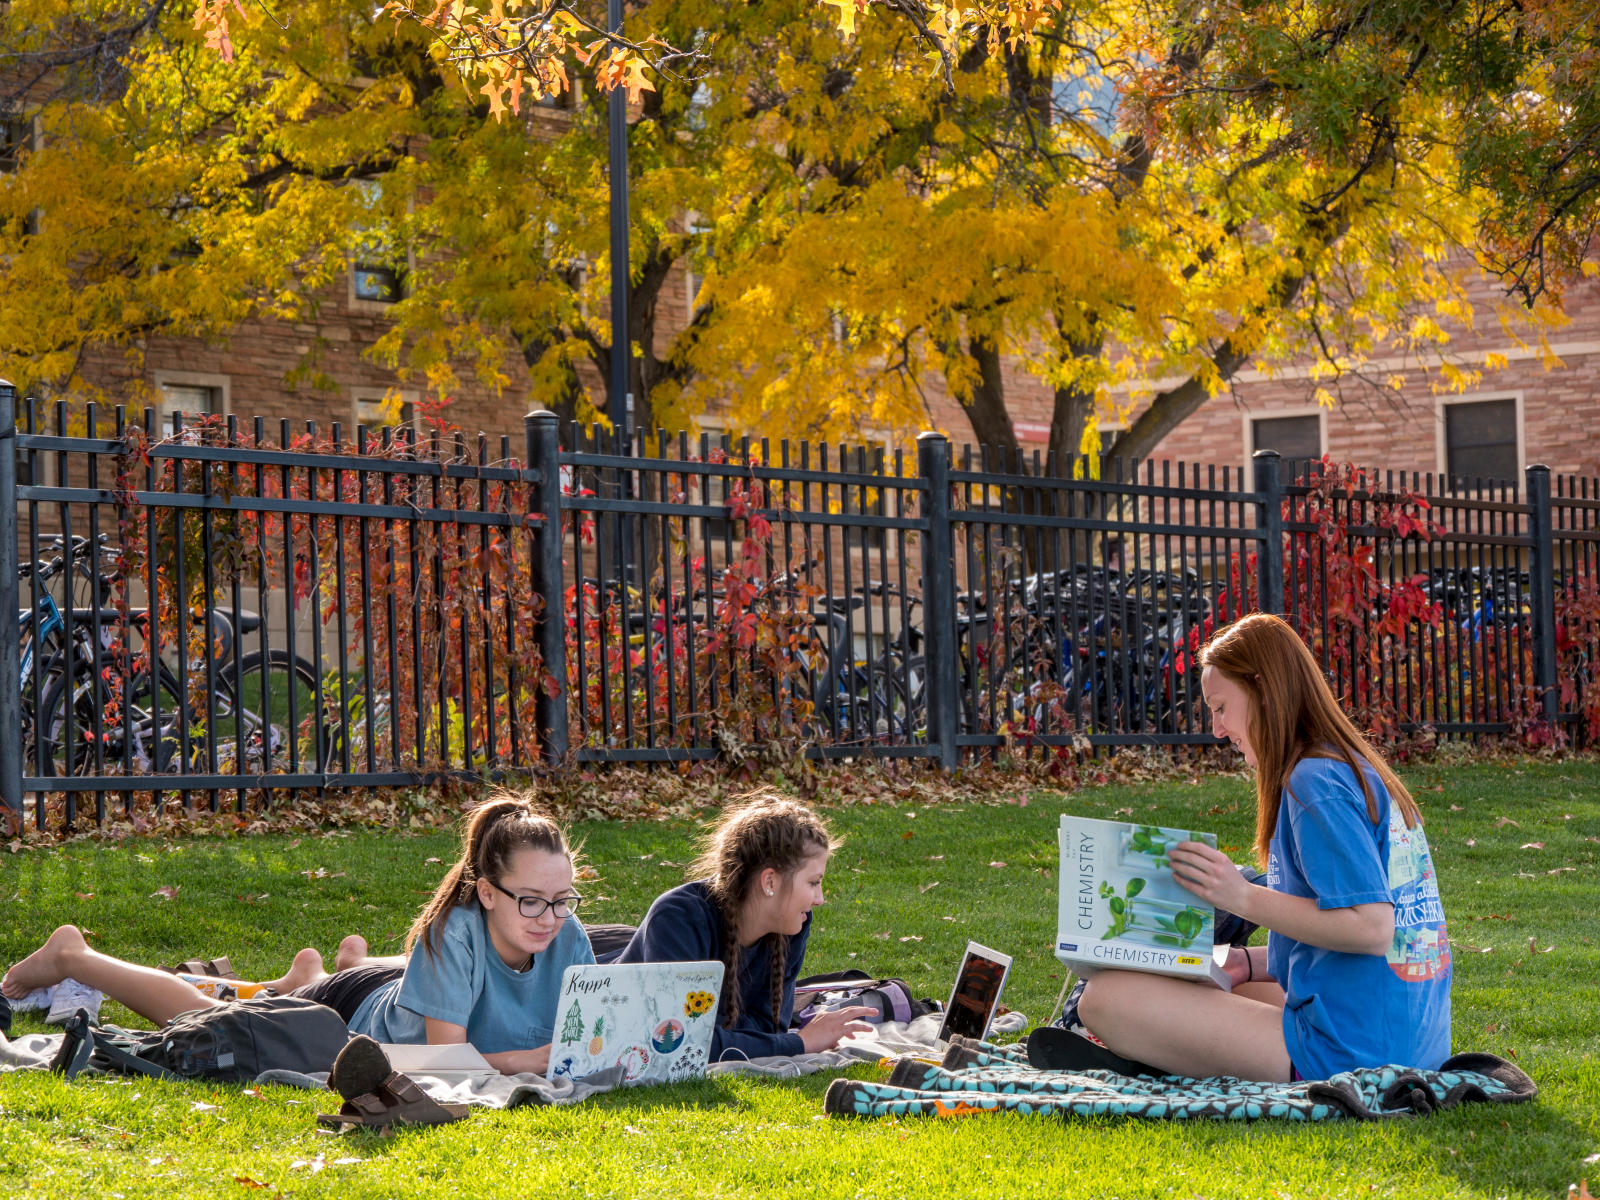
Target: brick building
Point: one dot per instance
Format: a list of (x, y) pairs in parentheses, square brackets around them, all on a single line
[(1516, 416), (1520, 414)]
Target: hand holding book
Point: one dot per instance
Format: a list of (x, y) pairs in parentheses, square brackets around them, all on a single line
[(1212, 875)]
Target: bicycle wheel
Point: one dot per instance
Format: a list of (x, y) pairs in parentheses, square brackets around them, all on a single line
[(154, 748), (274, 709), (895, 719)]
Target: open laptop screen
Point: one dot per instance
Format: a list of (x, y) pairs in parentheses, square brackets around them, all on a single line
[(976, 995)]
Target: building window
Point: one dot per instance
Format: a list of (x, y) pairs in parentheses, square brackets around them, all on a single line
[(1480, 440), (189, 399), (376, 412), (1297, 439), (18, 136), (378, 260), (377, 283), (698, 252)]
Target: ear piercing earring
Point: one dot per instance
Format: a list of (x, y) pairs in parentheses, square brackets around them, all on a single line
[(769, 891)]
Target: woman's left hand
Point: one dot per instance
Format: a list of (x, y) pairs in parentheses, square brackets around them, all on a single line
[(1211, 875)]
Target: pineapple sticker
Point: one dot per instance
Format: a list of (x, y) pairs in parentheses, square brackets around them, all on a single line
[(597, 1037)]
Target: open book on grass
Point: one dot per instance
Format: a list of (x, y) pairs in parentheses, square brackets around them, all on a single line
[(1120, 906)]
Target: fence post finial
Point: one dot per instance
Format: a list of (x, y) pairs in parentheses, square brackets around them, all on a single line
[(10, 602), (542, 430), (939, 598), (1269, 519), (1541, 589)]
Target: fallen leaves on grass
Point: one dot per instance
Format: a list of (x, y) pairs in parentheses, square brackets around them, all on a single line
[(166, 891), (202, 1106), (322, 873), (1533, 947), (245, 1181), (1462, 946), (997, 864), (1531, 846), (84, 895), (912, 937), (927, 887), (1504, 821)]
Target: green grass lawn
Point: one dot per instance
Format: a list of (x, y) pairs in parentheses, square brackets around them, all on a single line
[(1515, 848)]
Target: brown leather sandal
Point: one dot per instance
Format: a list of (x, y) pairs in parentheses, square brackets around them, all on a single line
[(211, 968), (398, 1100)]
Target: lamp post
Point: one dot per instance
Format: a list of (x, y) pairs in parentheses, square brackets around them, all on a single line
[(621, 346)]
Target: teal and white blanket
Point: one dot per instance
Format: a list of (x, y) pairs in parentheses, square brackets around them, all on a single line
[(977, 1077)]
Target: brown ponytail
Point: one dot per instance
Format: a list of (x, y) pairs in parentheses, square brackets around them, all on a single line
[(493, 831), (765, 829)]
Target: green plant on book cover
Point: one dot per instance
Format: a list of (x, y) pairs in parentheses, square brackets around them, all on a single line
[(1152, 842), (1166, 923)]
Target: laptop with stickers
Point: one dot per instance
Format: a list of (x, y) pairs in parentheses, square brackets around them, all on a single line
[(654, 1020)]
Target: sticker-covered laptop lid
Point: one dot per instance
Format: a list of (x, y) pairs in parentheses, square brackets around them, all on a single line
[(654, 1020)]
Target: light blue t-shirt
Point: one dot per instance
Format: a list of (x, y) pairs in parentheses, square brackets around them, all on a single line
[(1342, 1010), (464, 980)]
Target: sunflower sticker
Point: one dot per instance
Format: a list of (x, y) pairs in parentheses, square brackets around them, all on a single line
[(698, 1004)]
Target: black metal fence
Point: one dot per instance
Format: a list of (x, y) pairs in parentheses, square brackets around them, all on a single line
[(226, 610)]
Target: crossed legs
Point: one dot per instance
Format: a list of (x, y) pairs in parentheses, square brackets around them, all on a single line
[(153, 994), (1188, 1028)]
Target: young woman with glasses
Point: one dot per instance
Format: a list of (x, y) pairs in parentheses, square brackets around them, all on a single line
[(486, 954)]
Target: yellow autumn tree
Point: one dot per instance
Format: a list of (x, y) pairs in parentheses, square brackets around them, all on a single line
[(865, 198)]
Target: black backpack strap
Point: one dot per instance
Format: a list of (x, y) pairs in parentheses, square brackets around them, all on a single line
[(107, 1050)]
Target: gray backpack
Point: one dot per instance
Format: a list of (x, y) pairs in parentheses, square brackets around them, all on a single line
[(230, 1042)]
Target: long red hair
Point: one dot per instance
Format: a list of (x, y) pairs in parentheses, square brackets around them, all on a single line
[(1293, 715)]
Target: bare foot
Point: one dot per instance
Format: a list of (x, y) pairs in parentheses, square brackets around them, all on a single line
[(306, 968), (44, 967), (352, 951)]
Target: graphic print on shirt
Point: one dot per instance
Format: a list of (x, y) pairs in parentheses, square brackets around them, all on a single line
[(1421, 948)]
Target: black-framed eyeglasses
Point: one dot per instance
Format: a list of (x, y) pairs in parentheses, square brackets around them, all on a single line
[(534, 907)]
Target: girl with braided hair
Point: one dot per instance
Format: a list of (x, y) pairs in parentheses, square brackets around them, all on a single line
[(758, 876)]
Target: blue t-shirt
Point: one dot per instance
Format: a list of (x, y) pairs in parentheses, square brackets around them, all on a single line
[(464, 980), (683, 926), (1343, 1010)]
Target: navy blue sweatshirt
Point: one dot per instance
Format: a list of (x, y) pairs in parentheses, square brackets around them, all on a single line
[(683, 926)]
